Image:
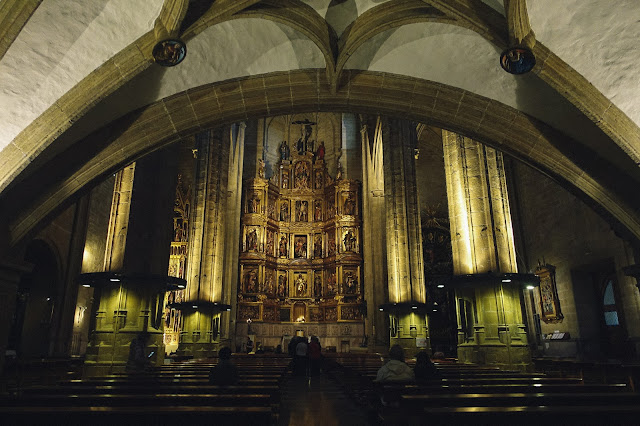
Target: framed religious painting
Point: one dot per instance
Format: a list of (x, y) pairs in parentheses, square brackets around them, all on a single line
[(549, 301)]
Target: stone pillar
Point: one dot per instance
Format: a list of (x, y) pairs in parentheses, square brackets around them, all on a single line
[(405, 269), (138, 244), (373, 232), (490, 324), (213, 245)]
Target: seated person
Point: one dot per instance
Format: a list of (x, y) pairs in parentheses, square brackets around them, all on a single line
[(396, 369), (424, 368), (225, 372)]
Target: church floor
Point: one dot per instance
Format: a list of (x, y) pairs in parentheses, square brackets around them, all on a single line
[(317, 401)]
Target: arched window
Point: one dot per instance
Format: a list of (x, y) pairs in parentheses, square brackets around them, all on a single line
[(609, 305)]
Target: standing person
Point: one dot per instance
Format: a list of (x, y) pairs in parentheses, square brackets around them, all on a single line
[(225, 372), (424, 368), (249, 345), (301, 361), (315, 356), (396, 369)]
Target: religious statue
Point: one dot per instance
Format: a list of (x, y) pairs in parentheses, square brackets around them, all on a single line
[(282, 250), (301, 211), (285, 181), (284, 150), (319, 180), (349, 205), (252, 280), (268, 284), (301, 175), (349, 241), (252, 240), (282, 286), (270, 243), (300, 249), (349, 283), (332, 247), (331, 284), (317, 285), (317, 213), (301, 285), (339, 170), (320, 151), (261, 169), (284, 211), (254, 203), (317, 247), (304, 144)]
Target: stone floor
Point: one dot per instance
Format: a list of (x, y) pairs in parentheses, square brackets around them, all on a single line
[(317, 400)]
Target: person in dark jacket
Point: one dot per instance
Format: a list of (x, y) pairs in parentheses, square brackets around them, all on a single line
[(225, 372), (315, 356), (424, 368)]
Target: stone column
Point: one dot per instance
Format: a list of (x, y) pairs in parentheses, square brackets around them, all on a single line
[(405, 269), (490, 324), (215, 222), (373, 233), (138, 244)]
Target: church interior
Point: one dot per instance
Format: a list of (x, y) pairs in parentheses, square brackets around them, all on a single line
[(453, 177)]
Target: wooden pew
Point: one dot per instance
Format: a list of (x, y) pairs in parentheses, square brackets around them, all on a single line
[(141, 415)]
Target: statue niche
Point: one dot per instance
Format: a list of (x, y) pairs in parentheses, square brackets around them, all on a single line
[(302, 175)]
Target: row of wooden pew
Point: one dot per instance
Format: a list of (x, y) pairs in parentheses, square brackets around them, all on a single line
[(469, 394), (173, 394)]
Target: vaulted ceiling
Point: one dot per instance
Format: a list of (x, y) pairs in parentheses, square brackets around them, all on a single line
[(71, 69)]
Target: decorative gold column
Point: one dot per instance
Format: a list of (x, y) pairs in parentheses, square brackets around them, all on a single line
[(215, 221), (490, 324), (130, 292), (405, 269)]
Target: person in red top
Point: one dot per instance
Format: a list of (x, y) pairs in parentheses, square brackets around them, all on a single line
[(315, 356)]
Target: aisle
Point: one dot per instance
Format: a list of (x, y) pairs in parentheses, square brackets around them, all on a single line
[(317, 401)]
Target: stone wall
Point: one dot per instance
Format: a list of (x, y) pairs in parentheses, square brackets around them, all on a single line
[(558, 228)]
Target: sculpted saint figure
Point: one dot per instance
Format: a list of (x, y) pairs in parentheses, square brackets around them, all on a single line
[(284, 150), (282, 250), (301, 285)]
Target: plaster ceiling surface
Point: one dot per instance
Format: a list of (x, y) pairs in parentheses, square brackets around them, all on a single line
[(340, 13), (599, 39), (63, 42), (238, 48), (424, 50)]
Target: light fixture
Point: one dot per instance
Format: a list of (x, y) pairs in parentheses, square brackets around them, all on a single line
[(115, 280), (507, 280), (180, 286), (86, 285), (517, 60), (440, 285), (195, 306), (530, 287)]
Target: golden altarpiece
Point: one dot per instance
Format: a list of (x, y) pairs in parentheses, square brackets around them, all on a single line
[(300, 260), (177, 266)]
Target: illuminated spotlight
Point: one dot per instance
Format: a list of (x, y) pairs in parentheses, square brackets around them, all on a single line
[(530, 287), (507, 280), (440, 285), (86, 285)]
